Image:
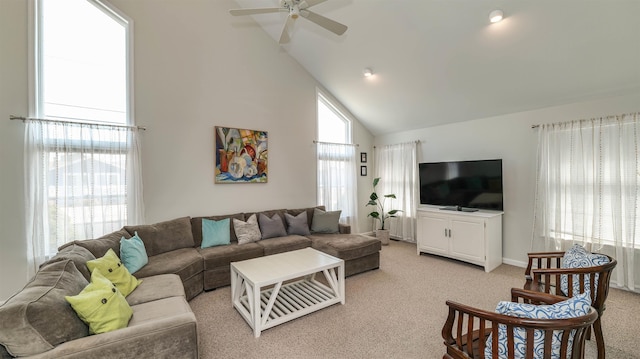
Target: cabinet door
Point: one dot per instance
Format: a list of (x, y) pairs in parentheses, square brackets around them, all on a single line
[(432, 237), (467, 240)]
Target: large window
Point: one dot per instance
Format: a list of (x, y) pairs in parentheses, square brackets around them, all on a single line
[(82, 53), (336, 162), (588, 190), (81, 148)]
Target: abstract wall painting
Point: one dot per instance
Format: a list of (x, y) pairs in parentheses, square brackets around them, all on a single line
[(241, 155)]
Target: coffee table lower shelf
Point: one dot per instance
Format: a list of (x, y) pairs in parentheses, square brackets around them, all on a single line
[(293, 300)]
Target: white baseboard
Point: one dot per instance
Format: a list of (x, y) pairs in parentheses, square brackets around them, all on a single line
[(514, 262)]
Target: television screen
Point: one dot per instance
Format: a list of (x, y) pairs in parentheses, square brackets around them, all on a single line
[(467, 184)]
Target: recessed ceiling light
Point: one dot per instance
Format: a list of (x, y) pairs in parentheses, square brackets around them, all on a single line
[(367, 72), (496, 16)]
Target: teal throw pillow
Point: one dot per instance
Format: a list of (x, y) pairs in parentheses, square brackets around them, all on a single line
[(133, 254), (215, 233)]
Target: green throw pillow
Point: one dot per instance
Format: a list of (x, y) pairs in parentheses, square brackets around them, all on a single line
[(113, 269), (101, 305), (133, 254), (215, 233)]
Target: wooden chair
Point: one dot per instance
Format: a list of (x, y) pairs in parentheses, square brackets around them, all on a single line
[(544, 274), (467, 329)]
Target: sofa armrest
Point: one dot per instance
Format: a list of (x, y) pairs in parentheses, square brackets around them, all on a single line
[(344, 228)]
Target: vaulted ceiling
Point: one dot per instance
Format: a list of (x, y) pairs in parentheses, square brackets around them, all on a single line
[(442, 61)]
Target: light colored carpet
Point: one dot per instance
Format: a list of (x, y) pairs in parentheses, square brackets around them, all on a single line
[(396, 311)]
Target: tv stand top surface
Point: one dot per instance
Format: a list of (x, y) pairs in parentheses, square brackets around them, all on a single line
[(464, 211), (459, 208)]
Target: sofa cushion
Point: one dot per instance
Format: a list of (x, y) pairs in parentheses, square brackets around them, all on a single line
[(185, 262), (101, 305), (578, 257), (37, 318), (297, 224), (165, 236), (247, 231), (112, 268), (215, 233), (271, 227), (133, 254), (325, 222), (99, 246), (157, 287), (78, 254), (222, 256), (345, 246), (196, 226), (284, 244), (574, 307)]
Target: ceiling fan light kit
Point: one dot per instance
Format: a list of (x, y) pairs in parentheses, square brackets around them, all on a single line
[(296, 8)]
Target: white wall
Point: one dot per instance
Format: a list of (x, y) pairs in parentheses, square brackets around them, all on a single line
[(13, 100), (511, 138), (195, 67)]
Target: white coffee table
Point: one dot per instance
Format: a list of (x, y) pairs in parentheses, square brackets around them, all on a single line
[(258, 292)]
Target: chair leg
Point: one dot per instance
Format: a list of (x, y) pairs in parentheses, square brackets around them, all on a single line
[(597, 330)]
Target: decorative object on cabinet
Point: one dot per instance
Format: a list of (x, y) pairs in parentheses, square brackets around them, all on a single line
[(241, 155), (374, 200), (473, 237)]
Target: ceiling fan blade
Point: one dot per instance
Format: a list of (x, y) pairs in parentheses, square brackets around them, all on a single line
[(284, 37), (331, 25), (238, 12), (309, 3)]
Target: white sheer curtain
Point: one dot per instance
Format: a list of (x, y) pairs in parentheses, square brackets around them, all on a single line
[(337, 181), (588, 190), (82, 181), (396, 165)]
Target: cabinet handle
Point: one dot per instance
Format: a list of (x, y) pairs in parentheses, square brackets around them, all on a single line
[(445, 233)]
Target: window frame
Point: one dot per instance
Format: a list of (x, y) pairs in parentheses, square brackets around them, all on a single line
[(34, 10), (337, 109)]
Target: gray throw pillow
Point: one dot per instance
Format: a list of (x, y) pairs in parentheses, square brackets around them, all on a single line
[(248, 231), (325, 222), (271, 227), (297, 224)]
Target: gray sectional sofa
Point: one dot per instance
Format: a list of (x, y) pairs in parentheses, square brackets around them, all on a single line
[(37, 322)]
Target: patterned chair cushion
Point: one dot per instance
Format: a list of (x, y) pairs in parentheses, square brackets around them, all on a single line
[(573, 307), (578, 257)]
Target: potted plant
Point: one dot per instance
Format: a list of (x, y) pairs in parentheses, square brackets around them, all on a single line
[(374, 200)]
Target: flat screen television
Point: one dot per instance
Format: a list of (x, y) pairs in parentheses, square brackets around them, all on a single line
[(462, 184)]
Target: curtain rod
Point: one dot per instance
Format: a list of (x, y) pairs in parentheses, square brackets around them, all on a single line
[(335, 143), (595, 118), (24, 119), (416, 141)]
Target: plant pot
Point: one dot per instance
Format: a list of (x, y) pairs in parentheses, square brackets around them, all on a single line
[(383, 236)]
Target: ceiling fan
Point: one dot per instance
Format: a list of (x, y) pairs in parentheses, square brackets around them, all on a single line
[(296, 8)]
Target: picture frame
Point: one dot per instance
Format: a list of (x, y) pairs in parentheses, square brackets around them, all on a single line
[(240, 155), (363, 157), (363, 170)]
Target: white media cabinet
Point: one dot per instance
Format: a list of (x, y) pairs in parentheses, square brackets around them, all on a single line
[(473, 237)]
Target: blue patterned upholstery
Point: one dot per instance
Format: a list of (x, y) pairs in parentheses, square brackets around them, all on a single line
[(573, 307), (578, 257)]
